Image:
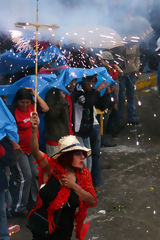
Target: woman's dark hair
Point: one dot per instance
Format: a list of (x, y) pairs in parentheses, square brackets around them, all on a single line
[(22, 93), (66, 159), (54, 93)]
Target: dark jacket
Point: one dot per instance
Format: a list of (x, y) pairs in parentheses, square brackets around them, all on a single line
[(57, 119), (5, 161), (90, 99)]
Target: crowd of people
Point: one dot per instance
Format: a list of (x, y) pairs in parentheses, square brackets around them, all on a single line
[(53, 181)]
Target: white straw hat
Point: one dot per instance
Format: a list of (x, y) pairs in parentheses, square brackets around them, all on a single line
[(70, 143)]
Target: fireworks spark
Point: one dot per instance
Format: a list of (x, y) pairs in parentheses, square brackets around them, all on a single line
[(21, 44)]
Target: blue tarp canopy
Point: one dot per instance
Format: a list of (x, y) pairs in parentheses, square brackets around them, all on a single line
[(44, 83), (69, 74), (8, 125), (47, 81), (12, 62)]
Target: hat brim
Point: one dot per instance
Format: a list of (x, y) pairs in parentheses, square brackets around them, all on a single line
[(87, 150)]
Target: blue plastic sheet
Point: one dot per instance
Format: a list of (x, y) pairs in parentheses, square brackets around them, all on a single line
[(12, 62), (8, 125), (47, 81), (44, 83)]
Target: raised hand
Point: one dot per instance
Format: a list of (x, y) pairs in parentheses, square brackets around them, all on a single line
[(103, 85), (34, 120), (32, 90), (68, 180)]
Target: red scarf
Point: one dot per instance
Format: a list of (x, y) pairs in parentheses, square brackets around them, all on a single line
[(84, 179)]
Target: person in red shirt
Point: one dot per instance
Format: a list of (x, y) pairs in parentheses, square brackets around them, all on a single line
[(25, 171)]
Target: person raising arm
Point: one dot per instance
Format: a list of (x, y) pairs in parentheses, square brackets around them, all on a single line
[(67, 184)]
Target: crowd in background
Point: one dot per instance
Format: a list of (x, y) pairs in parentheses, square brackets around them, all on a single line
[(70, 114), (75, 113)]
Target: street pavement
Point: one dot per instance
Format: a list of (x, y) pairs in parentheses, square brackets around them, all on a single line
[(128, 201)]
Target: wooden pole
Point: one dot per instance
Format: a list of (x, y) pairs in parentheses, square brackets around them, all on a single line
[(37, 26), (36, 65)]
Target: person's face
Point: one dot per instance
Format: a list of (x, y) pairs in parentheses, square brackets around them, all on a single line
[(23, 104), (78, 158), (71, 85), (89, 84)]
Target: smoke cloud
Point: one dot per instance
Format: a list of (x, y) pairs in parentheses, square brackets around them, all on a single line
[(71, 14)]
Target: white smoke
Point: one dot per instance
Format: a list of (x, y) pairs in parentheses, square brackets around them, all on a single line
[(70, 15)]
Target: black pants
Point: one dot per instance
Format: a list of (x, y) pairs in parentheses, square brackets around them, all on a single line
[(39, 237)]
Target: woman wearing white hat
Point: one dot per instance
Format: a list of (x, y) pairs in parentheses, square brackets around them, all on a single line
[(67, 185)]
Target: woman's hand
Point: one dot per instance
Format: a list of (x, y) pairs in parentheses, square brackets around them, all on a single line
[(41, 102), (68, 180), (102, 85), (32, 91), (34, 120)]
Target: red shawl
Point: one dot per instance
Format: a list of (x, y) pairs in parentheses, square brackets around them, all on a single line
[(84, 179)]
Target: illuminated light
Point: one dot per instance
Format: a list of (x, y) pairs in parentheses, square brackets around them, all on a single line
[(149, 139), (50, 29), (139, 103), (155, 115), (137, 143), (129, 138), (147, 231), (151, 188), (154, 212), (75, 34), (148, 159)]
